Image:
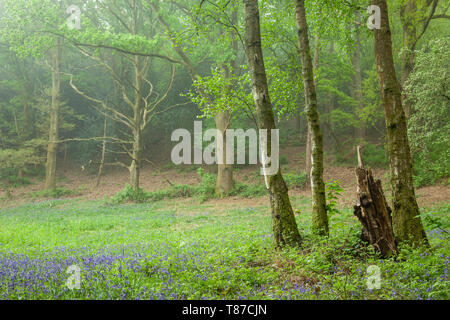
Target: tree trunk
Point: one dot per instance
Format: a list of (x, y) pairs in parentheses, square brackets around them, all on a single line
[(284, 226), (328, 108), (406, 220), (308, 137), (407, 17), (50, 167), (360, 132), (373, 212), (412, 14), (135, 168), (308, 154), (319, 214), (224, 183), (102, 161)]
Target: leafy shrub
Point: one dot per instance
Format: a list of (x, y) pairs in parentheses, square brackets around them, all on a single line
[(429, 125), (16, 181), (296, 180), (375, 156), (284, 160), (55, 193), (437, 219), (333, 190), (249, 191), (176, 191), (206, 189), (128, 194)]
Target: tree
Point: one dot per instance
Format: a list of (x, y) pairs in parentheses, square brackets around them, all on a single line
[(53, 136), (357, 86), (309, 135), (405, 216), (222, 118), (20, 25), (284, 226), (415, 16), (139, 93), (320, 218), (428, 92)]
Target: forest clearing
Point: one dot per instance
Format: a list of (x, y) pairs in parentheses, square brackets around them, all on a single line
[(193, 150)]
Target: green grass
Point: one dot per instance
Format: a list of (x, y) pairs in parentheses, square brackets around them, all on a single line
[(185, 249)]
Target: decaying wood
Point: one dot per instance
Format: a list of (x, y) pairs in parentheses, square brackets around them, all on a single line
[(373, 212)]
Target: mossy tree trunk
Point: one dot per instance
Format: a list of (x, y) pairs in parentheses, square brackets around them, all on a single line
[(308, 136), (409, 39), (284, 226), (319, 214), (224, 183), (138, 111), (415, 17), (406, 220), (52, 147), (360, 131)]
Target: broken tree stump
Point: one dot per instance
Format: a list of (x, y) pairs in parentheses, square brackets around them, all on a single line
[(373, 212)]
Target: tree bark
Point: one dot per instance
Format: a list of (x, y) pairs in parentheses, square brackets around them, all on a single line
[(319, 214), (52, 147), (360, 132), (407, 15), (373, 212), (406, 220), (284, 226), (135, 167), (308, 153), (102, 161), (412, 13), (308, 136), (224, 183)]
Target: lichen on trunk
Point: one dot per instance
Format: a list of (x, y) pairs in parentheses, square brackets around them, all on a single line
[(284, 225), (405, 216), (319, 214), (52, 148)]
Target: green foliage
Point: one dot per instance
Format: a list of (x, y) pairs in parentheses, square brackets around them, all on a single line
[(294, 180), (206, 189), (333, 190), (18, 159), (372, 114), (249, 191), (284, 160), (437, 220), (428, 91), (16, 181), (375, 156), (128, 194), (55, 193)]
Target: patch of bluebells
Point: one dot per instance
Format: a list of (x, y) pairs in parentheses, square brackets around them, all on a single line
[(199, 270)]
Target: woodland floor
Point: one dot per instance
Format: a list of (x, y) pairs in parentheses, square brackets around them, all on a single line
[(219, 249), (114, 180)]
